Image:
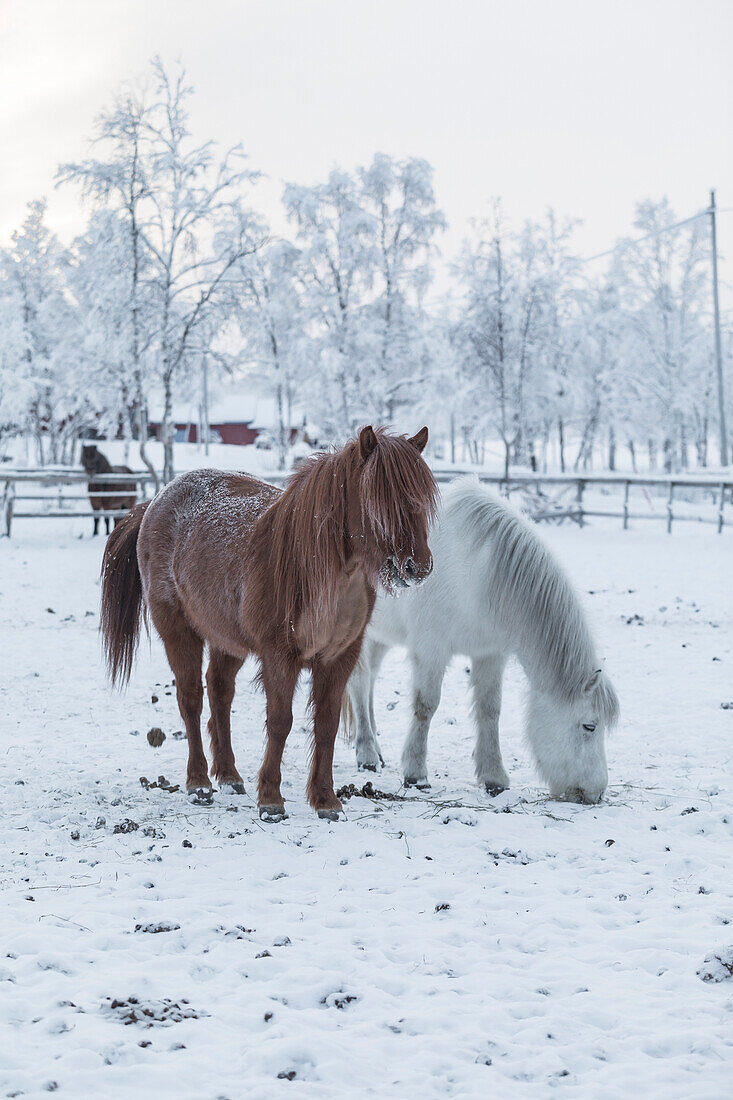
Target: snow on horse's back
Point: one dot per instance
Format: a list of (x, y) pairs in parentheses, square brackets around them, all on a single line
[(496, 591)]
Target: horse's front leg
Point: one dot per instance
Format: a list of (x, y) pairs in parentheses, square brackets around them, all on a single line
[(427, 680), (278, 679), (487, 674), (329, 684)]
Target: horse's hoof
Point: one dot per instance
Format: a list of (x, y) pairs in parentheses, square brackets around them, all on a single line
[(272, 814), (329, 815), (366, 767), (200, 796), (421, 784), (232, 788), (494, 789)]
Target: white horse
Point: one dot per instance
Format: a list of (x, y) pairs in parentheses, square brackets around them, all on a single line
[(496, 591)]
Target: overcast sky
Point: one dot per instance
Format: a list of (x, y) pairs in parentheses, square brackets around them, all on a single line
[(578, 104)]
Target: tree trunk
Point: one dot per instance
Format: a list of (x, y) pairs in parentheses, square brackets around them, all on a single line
[(632, 452), (652, 451), (561, 443), (611, 448), (281, 445), (167, 430)]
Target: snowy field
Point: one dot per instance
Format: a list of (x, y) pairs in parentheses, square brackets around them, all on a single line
[(442, 945)]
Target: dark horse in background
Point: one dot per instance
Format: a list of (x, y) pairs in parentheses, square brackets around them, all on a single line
[(122, 495), (290, 576)]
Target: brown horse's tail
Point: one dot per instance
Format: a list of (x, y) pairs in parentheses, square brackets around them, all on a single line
[(122, 596)]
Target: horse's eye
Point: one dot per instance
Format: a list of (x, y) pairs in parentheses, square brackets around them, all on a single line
[(589, 726)]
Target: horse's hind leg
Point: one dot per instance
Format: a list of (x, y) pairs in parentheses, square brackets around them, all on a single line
[(427, 680), (368, 756), (96, 525), (220, 678), (486, 677), (279, 680), (185, 649)]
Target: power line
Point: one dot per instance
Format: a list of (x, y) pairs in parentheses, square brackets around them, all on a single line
[(648, 236)]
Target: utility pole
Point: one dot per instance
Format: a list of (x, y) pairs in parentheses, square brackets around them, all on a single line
[(718, 350)]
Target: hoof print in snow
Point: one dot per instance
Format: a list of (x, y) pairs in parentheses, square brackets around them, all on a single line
[(442, 906), (161, 926), (717, 967), (264, 955), (462, 816), (156, 737), (187, 844), (153, 698), (339, 999), (148, 1013), (287, 1075), (126, 826), (239, 932), (727, 706), (75, 834), (282, 941), (179, 735)]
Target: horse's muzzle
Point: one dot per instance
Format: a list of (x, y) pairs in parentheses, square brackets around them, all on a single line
[(408, 574)]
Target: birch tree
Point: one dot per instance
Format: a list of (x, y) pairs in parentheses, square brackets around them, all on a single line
[(268, 306), (186, 227)]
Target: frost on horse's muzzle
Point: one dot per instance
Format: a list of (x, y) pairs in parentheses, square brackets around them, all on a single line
[(408, 574)]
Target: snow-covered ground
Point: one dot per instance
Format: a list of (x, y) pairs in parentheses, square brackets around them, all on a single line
[(445, 945)]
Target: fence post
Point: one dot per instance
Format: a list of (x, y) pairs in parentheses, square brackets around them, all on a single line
[(627, 485), (8, 503), (670, 516), (579, 501), (721, 504)]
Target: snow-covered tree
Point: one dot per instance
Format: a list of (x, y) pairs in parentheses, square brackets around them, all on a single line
[(187, 227), (366, 241), (267, 304), (41, 348), (663, 281)]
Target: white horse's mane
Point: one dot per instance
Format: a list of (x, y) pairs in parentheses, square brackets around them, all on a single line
[(529, 592)]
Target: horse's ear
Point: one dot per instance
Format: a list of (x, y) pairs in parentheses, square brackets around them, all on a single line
[(367, 441), (420, 439), (592, 682)]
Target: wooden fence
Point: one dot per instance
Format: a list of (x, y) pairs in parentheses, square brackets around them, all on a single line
[(15, 485), (543, 507), (19, 503)]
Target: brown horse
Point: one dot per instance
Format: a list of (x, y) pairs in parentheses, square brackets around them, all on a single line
[(122, 495), (289, 576)]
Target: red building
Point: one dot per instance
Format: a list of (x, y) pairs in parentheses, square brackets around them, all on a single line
[(233, 418)]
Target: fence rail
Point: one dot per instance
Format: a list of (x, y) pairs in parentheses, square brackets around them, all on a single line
[(541, 506), (10, 480)]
